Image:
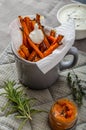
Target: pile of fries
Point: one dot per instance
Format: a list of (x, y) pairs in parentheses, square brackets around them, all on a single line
[(32, 51)]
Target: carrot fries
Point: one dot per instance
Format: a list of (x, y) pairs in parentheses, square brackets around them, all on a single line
[(50, 49), (25, 50), (25, 30), (36, 51), (21, 53), (41, 27)]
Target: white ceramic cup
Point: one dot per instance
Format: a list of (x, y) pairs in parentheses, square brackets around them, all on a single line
[(30, 75)]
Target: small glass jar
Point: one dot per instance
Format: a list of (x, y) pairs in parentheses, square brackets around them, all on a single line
[(63, 115)]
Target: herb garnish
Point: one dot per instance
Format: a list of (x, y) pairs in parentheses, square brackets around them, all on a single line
[(78, 87), (18, 103)]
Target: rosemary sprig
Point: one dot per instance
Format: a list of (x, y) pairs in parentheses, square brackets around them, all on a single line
[(18, 103), (77, 86)]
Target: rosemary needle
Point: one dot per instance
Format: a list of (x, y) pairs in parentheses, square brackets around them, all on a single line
[(18, 103)]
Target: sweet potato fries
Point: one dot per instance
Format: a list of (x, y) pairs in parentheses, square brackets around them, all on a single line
[(32, 51)]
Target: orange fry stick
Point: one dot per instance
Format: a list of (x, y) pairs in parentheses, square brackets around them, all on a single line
[(23, 24), (51, 38), (29, 24), (55, 39), (28, 38), (59, 38), (24, 39), (36, 59), (52, 33), (21, 53), (40, 26), (23, 35), (46, 41), (25, 50), (32, 55), (42, 47), (38, 18), (51, 49), (45, 38), (35, 48)]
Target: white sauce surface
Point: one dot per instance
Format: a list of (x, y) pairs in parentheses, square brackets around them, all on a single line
[(36, 35), (76, 12)]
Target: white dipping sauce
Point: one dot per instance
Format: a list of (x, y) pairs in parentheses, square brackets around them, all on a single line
[(76, 12), (36, 35)]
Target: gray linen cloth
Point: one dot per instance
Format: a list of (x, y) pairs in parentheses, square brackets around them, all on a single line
[(45, 98)]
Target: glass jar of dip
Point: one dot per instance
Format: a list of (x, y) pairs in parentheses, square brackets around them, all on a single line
[(63, 115)]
